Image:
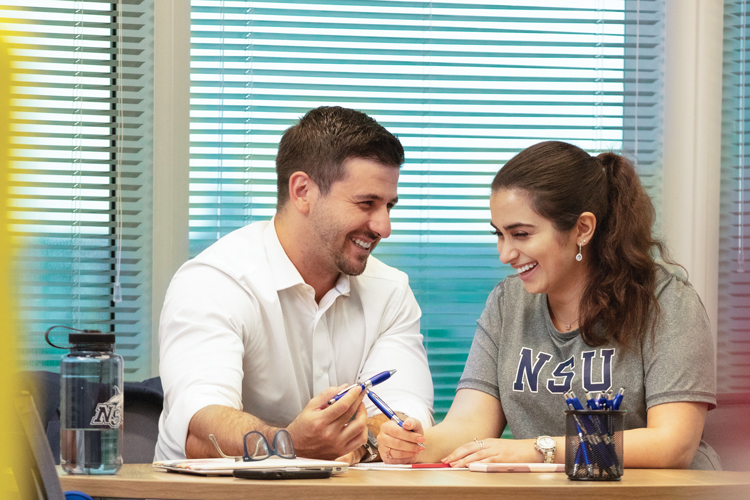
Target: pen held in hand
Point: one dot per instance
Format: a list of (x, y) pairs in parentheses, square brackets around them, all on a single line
[(374, 380), (386, 410)]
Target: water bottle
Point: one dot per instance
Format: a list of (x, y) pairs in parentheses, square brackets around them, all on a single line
[(91, 403)]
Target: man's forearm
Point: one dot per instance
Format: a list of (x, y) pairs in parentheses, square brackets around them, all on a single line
[(228, 425)]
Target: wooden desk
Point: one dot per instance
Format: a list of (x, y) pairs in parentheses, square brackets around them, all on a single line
[(141, 481)]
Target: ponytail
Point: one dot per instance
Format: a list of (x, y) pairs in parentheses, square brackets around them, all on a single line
[(621, 290)]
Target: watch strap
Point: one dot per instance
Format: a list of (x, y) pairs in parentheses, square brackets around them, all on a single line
[(371, 448)]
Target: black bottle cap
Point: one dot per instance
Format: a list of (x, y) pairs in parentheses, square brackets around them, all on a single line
[(91, 337), (81, 337)]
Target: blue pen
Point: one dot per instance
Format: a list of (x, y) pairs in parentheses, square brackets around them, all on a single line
[(374, 380), (603, 401), (618, 399), (573, 400), (581, 451), (386, 410), (591, 401)]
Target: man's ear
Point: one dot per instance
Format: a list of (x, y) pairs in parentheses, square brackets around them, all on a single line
[(585, 228), (302, 192)]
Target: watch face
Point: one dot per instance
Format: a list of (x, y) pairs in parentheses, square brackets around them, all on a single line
[(546, 442)]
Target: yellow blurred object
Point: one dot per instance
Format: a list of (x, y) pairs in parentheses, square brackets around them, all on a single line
[(9, 447)]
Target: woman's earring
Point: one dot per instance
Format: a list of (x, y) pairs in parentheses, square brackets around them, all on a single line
[(579, 257)]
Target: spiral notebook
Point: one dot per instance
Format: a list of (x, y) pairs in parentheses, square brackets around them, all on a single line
[(225, 467)]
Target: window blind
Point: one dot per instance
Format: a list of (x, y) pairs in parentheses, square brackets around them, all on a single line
[(465, 85), (80, 171), (733, 342)]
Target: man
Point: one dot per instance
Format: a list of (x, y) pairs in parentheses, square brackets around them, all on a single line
[(263, 328)]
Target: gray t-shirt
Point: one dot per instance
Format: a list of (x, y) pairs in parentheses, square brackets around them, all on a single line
[(519, 357)]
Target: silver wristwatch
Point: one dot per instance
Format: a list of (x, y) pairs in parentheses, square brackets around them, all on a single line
[(371, 448), (547, 446)]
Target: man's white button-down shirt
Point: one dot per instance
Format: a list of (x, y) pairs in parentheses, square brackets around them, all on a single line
[(240, 328)]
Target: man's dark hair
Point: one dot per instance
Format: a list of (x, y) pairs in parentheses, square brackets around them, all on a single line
[(324, 139)]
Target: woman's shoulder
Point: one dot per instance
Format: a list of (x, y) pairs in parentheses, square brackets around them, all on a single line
[(673, 287), (509, 290), (665, 271)]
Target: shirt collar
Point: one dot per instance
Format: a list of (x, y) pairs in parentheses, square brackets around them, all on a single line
[(343, 285), (284, 273)]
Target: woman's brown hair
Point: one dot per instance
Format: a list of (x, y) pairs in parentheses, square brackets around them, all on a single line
[(563, 181)]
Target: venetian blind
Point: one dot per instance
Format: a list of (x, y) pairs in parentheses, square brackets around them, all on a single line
[(733, 342), (80, 170), (465, 85)]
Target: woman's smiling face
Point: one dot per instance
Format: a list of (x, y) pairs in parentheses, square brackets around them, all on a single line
[(543, 257)]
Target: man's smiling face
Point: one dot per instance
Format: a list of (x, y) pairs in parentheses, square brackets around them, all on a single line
[(350, 220)]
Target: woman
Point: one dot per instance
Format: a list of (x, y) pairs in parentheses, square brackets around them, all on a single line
[(588, 310)]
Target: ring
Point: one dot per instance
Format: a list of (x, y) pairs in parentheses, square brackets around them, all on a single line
[(388, 453), (480, 443)]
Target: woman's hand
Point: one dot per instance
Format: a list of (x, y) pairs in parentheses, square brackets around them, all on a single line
[(494, 450), (400, 446)]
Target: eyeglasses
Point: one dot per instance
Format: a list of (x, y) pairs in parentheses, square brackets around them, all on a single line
[(257, 447)]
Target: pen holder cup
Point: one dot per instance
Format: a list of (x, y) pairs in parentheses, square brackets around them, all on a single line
[(593, 444)]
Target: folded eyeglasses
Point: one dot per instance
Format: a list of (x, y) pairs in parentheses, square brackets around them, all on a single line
[(257, 447)]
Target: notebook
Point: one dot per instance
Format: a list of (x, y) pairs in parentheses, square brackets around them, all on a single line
[(383, 466), (225, 466), (501, 467)]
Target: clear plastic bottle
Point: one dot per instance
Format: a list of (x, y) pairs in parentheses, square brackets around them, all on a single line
[(91, 404)]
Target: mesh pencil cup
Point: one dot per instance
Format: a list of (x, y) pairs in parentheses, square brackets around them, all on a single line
[(593, 444)]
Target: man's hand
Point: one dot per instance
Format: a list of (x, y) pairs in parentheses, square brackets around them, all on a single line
[(353, 457), (330, 432)]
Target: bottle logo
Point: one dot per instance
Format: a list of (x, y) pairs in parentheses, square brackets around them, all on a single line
[(109, 413)]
